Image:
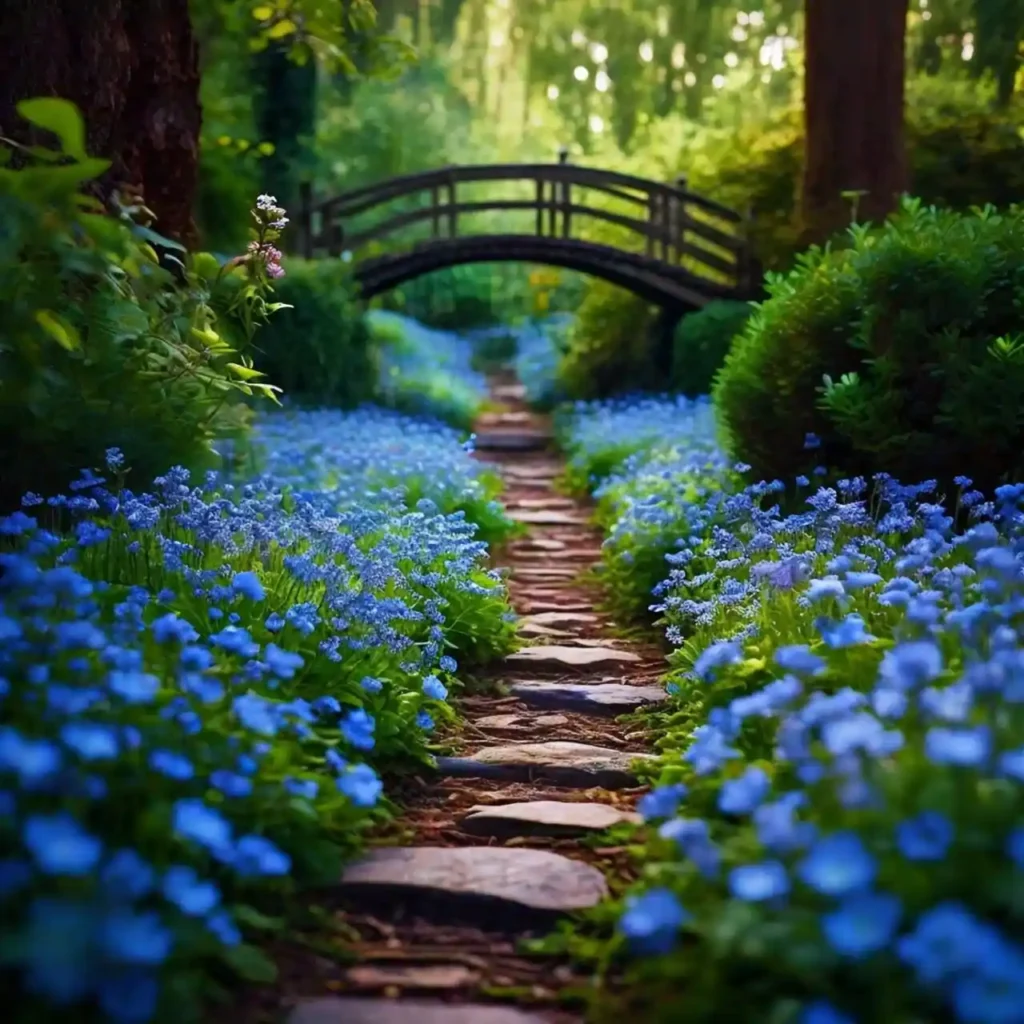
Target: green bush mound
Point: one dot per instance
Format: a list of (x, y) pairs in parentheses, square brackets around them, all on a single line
[(320, 351), (609, 345), (701, 343), (101, 344), (899, 354)]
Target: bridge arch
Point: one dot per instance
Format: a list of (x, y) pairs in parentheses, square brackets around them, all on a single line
[(678, 250)]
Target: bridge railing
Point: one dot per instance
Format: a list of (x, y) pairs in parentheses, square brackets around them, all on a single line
[(673, 224)]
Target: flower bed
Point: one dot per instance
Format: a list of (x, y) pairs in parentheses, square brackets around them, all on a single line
[(200, 686), (837, 831)]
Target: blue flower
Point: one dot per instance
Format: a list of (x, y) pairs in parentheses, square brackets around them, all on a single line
[(742, 795), (225, 929), (925, 837), (361, 785), (192, 895), (434, 689), (719, 655), (235, 640), (192, 819), (231, 784), (965, 748), (136, 937), (823, 1013), (134, 687), (799, 659), (127, 876), (651, 921), (248, 585), (33, 760), (92, 741), (171, 628), (662, 802), (282, 664), (838, 864), (849, 632), (256, 855), (911, 664), (862, 924), (758, 882), (60, 846), (357, 727), (173, 765)]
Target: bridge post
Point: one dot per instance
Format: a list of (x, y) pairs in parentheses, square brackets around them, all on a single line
[(564, 192), (678, 220), (453, 224)]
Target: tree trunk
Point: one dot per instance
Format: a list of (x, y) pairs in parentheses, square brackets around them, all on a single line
[(131, 66), (853, 112)]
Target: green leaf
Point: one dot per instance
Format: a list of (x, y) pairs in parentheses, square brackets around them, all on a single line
[(60, 117), (250, 964), (252, 918), (154, 238), (59, 329), (287, 27), (244, 372)]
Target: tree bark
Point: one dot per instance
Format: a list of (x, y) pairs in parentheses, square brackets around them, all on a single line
[(131, 67), (854, 67)]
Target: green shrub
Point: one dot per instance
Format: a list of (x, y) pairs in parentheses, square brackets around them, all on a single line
[(100, 345), (319, 351), (963, 152), (701, 343), (900, 354), (609, 345)]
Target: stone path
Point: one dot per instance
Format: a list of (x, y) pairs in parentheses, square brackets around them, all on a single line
[(489, 849)]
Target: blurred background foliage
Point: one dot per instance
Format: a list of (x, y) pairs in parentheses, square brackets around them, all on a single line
[(702, 88)]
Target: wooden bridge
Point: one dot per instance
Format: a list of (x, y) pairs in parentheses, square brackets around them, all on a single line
[(673, 247)]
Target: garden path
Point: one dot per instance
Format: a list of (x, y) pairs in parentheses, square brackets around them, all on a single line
[(510, 834)]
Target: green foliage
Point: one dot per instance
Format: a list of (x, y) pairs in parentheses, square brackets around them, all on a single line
[(229, 176), (319, 351), (900, 353), (702, 341), (963, 152), (609, 346), (101, 346)]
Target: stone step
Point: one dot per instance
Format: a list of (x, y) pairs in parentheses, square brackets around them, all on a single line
[(535, 630), (538, 545), (417, 977), (506, 887), (497, 419), (343, 1010), (538, 574), (553, 502), (561, 618), (509, 393), (548, 471), (512, 441), (530, 605), (558, 658), (554, 818), (548, 517), (577, 765), (603, 699), (520, 721)]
